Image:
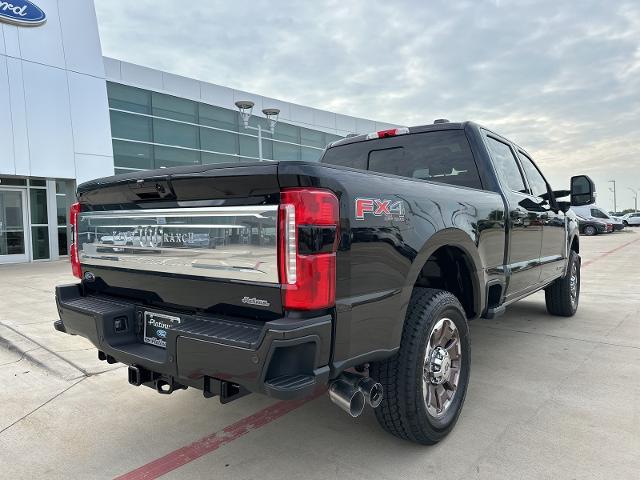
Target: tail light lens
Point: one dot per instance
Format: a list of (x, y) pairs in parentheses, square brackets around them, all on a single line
[(75, 259), (308, 240)]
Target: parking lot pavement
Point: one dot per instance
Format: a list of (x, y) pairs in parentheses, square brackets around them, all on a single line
[(549, 398)]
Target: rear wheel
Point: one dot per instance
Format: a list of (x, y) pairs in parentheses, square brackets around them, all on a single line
[(589, 230), (563, 295), (425, 383)]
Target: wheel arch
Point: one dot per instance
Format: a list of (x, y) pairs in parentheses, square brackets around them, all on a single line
[(448, 245), (574, 243)]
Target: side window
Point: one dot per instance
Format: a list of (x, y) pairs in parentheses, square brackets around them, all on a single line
[(506, 164), (597, 213), (536, 180)]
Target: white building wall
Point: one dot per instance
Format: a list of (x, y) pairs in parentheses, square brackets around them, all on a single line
[(54, 117)]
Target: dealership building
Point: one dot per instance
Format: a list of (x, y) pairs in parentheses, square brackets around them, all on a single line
[(68, 115)]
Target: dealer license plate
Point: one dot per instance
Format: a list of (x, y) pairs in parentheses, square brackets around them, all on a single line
[(156, 328)]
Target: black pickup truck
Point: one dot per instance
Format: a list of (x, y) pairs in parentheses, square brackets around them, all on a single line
[(358, 273)]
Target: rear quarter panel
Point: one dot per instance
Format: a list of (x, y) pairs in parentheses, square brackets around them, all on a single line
[(380, 256)]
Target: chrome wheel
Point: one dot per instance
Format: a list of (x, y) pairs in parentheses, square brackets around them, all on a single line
[(574, 284), (441, 371)]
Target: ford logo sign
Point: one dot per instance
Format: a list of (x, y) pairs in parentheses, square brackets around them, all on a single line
[(22, 13), (161, 333)]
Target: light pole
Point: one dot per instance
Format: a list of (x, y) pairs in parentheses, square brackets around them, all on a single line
[(615, 205), (635, 198), (245, 107)]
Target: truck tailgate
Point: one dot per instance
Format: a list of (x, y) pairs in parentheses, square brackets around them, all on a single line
[(202, 239)]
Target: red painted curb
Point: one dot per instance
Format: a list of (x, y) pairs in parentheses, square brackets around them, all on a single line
[(605, 254), (212, 442)]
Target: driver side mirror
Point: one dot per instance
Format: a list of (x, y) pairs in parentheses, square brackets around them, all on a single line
[(583, 191)]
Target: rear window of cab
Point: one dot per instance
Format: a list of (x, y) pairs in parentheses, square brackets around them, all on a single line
[(440, 156)]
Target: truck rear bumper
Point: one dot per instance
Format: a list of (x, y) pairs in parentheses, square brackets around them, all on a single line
[(284, 358)]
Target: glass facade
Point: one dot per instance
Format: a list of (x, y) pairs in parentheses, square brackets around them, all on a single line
[(154, 130), (39, 219), (12, 229), (34, 218), (65, 196)]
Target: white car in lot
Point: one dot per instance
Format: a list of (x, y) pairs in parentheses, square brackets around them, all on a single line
[(631, 219), (594, 212)]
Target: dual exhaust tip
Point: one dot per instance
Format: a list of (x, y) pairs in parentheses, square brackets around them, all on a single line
[(351, 392)]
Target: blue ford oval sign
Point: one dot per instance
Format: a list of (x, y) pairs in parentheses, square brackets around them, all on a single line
[(22, 13)]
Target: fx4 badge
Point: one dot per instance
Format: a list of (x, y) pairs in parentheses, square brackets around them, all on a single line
[(379, 207)]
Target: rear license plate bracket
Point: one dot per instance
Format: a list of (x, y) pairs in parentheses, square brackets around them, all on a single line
[(157, 326)]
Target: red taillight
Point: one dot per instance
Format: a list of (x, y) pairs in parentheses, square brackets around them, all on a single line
[(75, 259), (308, 273), (392, 132)]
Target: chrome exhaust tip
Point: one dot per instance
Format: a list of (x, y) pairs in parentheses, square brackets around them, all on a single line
[(347, 396), (372, 391)]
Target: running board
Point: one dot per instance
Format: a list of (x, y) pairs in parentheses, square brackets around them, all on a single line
[(494, 312)]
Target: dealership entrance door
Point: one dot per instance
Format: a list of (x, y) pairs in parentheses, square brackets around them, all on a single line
[(13, 226)]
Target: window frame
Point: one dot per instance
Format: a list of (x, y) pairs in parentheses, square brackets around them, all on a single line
[(490, 135), (528, 157)]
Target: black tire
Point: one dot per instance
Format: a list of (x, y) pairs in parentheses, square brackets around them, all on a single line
[(403, 411), (625, 223), (589, 230), (560, 298)]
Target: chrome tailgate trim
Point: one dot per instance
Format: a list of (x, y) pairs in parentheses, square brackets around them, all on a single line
[(236, 243)]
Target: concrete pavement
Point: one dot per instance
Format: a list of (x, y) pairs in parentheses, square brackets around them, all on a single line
[(549, 398)]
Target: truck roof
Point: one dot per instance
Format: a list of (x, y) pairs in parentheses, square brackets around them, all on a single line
[(415, 129), (439, 126)]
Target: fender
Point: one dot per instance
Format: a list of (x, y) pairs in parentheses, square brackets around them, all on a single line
[(573, 235), (449, 237)]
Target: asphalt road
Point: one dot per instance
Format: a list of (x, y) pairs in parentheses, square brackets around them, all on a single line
[(549, 398)]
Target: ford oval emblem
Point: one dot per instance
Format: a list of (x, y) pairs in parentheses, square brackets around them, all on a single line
[(23, 13), (161, 333)]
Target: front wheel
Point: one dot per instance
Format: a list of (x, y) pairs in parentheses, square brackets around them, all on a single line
[(589, 231), (563, 295), (425, 382)]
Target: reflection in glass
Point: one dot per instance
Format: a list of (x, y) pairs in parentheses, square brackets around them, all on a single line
[(38, 206), (172, 133), (132, 155), (127, 98), (40, 242), (63, 242), (130, 126), (11, 225), (175, 157), (168, 106), (218, 141)]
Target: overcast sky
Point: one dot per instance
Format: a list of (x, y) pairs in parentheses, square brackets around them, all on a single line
[(562, 79)]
